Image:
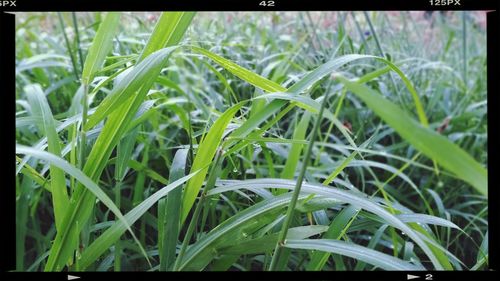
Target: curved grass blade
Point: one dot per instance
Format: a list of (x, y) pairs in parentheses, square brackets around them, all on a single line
[(236, 227), (243, 73), (355, 199), (266, 243), (41, 109), (358, 252)]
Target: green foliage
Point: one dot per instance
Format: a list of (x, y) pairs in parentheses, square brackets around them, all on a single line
[(182, 145)]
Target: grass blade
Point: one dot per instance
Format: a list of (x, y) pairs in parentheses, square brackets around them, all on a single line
[(100, 47), (356, 199), (168, 31), (170, 211), (40, 108), (430, 143), (361, 253), (205, 153)]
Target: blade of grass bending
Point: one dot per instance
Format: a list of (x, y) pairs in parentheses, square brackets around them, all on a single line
[(357, 199), (80, 176), (235, 228), (103, 242), (28, 171), (255, 120), (46, 125), (430, 143), (278, 251), (358, 252), (243, 73)]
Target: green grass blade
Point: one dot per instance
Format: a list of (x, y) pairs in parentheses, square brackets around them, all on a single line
[(361, 253), (100, 47), (168, 31), (318, 260), (430, 143), (205, 153), (243, 73), (355, 199), (140, 76), (81, 206), (296, 149), (171, 213), (266, 243), (40, 108), (124, 153)]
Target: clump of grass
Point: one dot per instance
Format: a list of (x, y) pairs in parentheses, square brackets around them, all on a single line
[(269, 142)]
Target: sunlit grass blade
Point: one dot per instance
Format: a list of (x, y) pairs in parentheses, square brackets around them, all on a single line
[(139, 77)]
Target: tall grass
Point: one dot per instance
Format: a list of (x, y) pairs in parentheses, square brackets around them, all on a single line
[(242, 141)]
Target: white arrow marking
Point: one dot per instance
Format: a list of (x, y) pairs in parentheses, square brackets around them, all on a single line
[(71, 277), (409, 276)]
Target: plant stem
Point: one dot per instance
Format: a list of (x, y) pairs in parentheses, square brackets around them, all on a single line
[(464, 48), (77, 33), (117, 264), (83, 133), (73, 62), (278, 251)]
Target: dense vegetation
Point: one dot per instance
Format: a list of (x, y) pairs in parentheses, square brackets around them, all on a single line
[(251, 141)]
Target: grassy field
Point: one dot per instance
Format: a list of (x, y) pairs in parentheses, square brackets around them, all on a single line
[(251, 141)]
